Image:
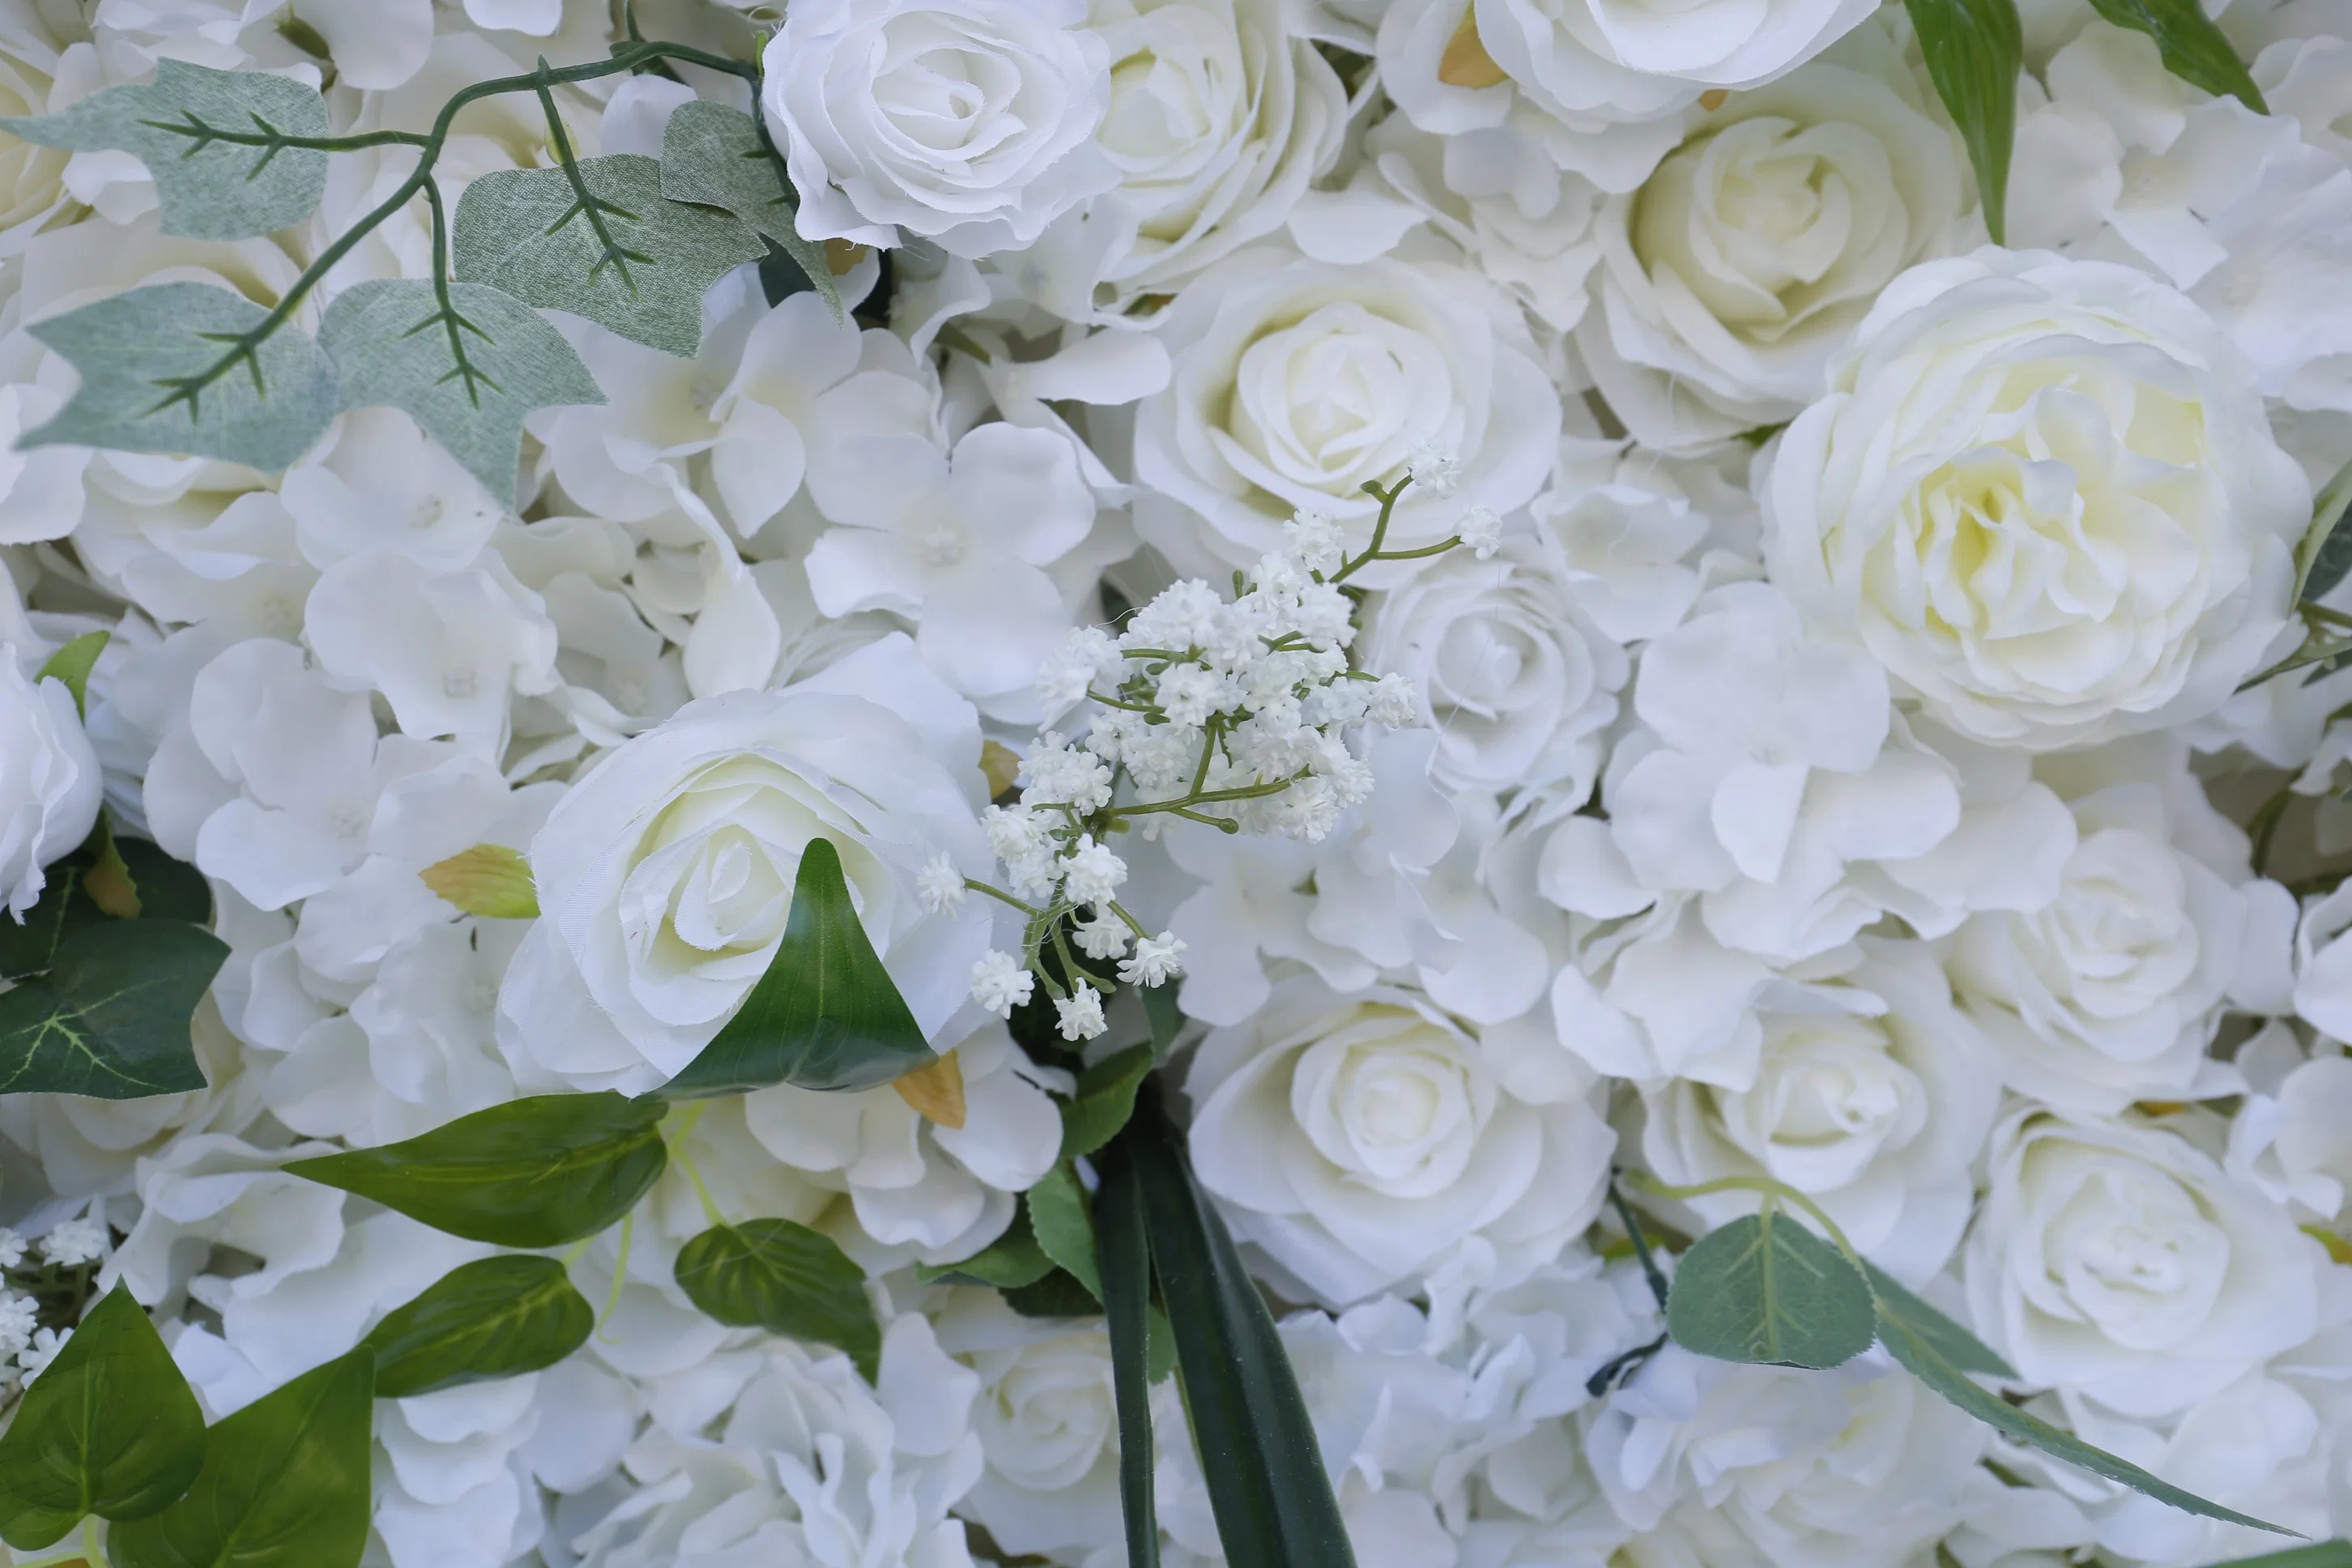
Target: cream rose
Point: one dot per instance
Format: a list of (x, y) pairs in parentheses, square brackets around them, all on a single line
[(2115, 1259), (967, 122), (1048, 1426), (2045, 495), (666, 875), (1358, 1140), (1742, 263), (49, 783), (32, 178), (1295, 382)]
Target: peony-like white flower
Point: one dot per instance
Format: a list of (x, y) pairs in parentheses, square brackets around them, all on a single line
[(969, 122), (2115, 1259), (666, 874), (2044, 494), (49, 783)]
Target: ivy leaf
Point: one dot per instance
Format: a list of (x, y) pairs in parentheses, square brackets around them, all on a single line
[(497, 1316), (825, 1016), (1974, 50), (466, 374), (1060, 1215), (716, 156), (488, 880), (284, 1484), (109, 1428), (540, 1172), (2325, 552), (72, 664), (1011, 1261), (109, 1018), (157, 887), (1106, 1100), (2191, 46), (599, 239), (1918, 1351), (167, 368), (216, 142), (1907, 1313), (1764, 1289), (786, 1278)]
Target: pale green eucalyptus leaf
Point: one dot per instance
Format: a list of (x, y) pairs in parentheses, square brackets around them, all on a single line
[(1765, 1290)]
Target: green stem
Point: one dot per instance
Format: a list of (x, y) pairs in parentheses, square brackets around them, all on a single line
[(1210, 797), (585, 202), (1388, 499), (91, 1547), (620, 1271), (1001, 896), (277, 140)]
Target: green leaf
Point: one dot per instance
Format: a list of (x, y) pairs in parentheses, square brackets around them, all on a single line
[(2191, 46), (284, 1484), (1266, 1483), (466, 374), (110, 1018), (216, 142), (626, 257), (2325, 552), (716, 156), (1060, 1294), (1917, 1351), (786, 1278), (72, 664), (825, 1016), (1167, 1021), (1106, 1100), (1907, 1313), (168, 890), (1125, 1255), (1765, 1289), (1011, 1261), (498, 1317), (488, 880), (162, 888), (1060, 1215), (1974, 50), (540, 1172), (2326, 1554), (165, 368), (109, 1428)]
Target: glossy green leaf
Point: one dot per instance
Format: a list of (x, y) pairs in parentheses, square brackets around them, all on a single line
[(1105, 1099), (1918, 1351), (161, 887), (1060, 1215), (2191, 46), (2325, 552), (1060, 1294), (466, 374), (110, 1018), (1765, 1289), (109, 1428), (1125, 1255), (784, 1278), (216, 142), (716, 156), (498, 1317), (162, 371), (625, 256), (1266, 1483), (1974, 50), (540, 1172), (2325, 1555), (1011, 1261), (825, 1016), (72, 664), (1166, 1020), (1901, 1312), (284, 1483)]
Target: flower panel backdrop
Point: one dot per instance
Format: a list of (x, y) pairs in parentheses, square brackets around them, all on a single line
[(1087, 784)]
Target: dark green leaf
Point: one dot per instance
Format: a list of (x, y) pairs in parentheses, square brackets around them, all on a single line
[(1106, 1100), (1126, 1254), (2191, 46), (1974, 49), (216, 142), (1765, 1289), (109, 1428), (466, 374), (169, 889), (540, 1172), (2325, 552), (786, 1278), (716, 156), (825, 1016), (626, 257), (2326, 1554), (111, 1018), (1059, 1214), (1907, 1312), (284, 1485), (167, 368), (72, 664), (1059, 1294), (165, 889), (1918, 1351), (498, 1317), (1266, 1483), (1167, 1022), (1011, 1261)]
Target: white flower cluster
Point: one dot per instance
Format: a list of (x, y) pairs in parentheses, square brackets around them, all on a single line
[(44, 1267)]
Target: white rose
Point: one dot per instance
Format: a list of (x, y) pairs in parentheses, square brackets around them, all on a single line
[(49, 781), (2116, 1260), (666, 875), (1358, 1140), (1514, 678), (967, 122), (1742, 263), (2044, 494), (1873, 1101), (1296, 381), (32, 178), (1048, 1425), (2295, 1144)]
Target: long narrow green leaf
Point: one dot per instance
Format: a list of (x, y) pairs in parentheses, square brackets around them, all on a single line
[(1974, 49), (2327, 1554), (2325, 552), (1125, 1254), (2191, 46), (1273, 1501)]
